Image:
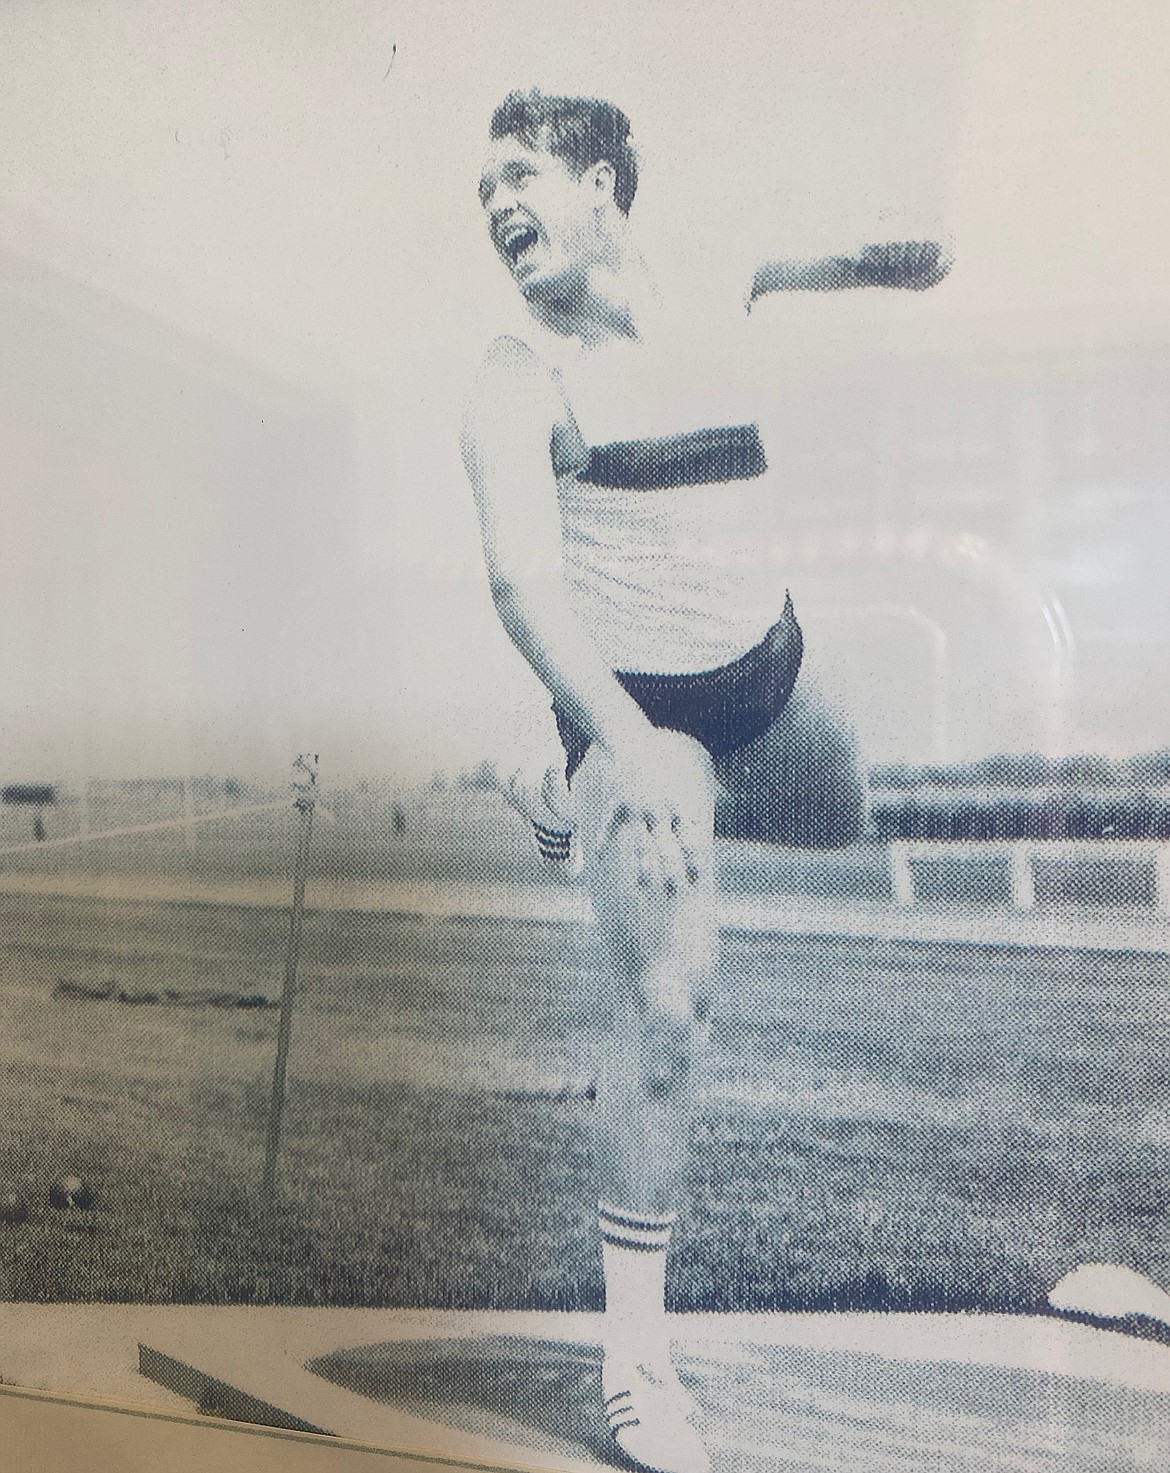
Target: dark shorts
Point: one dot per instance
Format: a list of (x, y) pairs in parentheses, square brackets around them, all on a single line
[(723, 709)]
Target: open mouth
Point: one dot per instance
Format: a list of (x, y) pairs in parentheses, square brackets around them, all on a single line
[(516, 241)]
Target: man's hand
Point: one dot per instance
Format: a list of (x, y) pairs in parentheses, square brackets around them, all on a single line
[(658, 804), (645, 805), (906, 265)]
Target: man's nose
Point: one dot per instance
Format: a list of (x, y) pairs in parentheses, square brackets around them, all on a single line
[(502, 200), (501, 209)]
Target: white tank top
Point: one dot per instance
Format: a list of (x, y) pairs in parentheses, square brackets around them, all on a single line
[(676, 577)]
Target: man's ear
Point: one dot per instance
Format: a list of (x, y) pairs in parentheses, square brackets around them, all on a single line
[(603, 178)]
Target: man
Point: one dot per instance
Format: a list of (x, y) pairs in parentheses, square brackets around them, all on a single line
[(622, 488)]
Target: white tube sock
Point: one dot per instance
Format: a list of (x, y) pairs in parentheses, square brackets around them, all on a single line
[(633, 1254)]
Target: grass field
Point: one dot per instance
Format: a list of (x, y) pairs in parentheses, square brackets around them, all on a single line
[(888, 1124)]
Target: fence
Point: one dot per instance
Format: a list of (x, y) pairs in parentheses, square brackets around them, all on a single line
[(1021, 854)]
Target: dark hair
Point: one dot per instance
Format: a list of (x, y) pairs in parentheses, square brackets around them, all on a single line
[(579, 130)]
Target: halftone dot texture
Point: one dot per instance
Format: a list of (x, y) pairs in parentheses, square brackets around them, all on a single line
[(580, 130), (889, 1124)]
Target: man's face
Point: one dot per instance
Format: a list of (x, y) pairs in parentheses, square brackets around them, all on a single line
[(543, 218)]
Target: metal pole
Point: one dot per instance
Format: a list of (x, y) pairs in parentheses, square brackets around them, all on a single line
[(304, 784), (189, 811)]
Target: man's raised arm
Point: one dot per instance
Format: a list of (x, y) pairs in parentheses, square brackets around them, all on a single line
[(905, 265)]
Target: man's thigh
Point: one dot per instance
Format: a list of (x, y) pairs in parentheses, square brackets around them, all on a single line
[(801, 783)]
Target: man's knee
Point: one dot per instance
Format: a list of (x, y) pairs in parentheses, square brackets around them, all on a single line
[(668, 1051), (801, 783)]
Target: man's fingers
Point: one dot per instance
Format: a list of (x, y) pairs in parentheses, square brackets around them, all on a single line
[(648, 862), (674, 861), (656, 854), (616, 817), (693, 847), (649, 823)]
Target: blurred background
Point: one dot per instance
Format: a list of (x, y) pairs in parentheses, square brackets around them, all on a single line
[(244, 282)]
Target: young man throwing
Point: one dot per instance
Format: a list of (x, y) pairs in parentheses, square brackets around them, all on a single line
[(623, 490)]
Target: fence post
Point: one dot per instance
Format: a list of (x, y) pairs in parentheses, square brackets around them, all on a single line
[(304, 798), (189, 812), (1162, 879), (1023, 877), (901, 875)]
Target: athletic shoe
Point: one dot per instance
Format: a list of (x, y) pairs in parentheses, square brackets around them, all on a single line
[(648, 1412)]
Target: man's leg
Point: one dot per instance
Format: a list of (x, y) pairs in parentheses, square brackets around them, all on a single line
[(801, 783), (660, 939)]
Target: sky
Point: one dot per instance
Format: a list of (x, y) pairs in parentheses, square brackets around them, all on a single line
[(244, 284)]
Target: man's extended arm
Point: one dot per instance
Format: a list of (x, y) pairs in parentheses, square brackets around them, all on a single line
[(909, 265)]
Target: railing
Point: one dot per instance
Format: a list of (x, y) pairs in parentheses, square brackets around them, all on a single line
[(1020, 855)]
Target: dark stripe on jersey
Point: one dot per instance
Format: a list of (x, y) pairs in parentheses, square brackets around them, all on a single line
[(700, 458)]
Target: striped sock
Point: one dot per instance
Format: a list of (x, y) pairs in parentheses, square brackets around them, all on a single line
[(633, 1253), (553, 844)]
